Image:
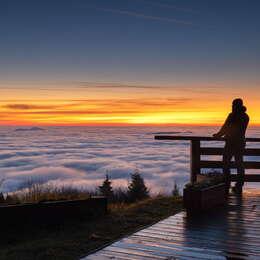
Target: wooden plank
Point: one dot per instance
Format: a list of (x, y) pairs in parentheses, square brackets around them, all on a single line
[(199, 138), (234, 248), (219, 151), (100, 257), (165, 251), (219, 164), (204, 240), (253, 226), (187, 138), (204, 243), (170, 244), (226, 255), (195, 160), (116, 252), (250, 239)]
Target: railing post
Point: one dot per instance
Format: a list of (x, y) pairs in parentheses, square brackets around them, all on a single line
[(194, 160)]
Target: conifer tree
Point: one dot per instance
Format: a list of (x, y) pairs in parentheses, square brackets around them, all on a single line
[(136, 188), (106, 188), (9, 199), (2, 199), (175, 191)]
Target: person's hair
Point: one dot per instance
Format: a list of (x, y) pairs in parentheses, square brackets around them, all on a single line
[(237, 106), (238, 102)]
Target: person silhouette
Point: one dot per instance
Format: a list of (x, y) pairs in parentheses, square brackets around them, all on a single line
[(233, 130)]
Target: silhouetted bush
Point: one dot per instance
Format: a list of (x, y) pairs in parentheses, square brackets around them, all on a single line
[(34, 192), (176, 190), (106, 189), (2, 199), (38, 192), (211, 179), (12, 199), (137, 189), (120, 195)]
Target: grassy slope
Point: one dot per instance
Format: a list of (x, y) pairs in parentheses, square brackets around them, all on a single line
[(73, 240)]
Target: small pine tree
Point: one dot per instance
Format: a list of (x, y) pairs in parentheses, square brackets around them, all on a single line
[(9, 199), (106, 188), (120, 195), (2, 199), (136, 188), (175, 191)]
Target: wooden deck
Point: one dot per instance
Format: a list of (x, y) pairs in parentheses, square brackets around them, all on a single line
[(232, 232)]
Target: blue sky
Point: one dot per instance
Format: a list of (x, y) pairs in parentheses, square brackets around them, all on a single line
[(144, 41)]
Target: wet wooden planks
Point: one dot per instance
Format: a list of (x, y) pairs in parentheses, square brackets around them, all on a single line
[(232, 232)]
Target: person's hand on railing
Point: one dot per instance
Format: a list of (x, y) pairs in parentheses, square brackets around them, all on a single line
[(216, 135)]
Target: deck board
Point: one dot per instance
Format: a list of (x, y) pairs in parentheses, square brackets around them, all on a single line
[(232, 232)]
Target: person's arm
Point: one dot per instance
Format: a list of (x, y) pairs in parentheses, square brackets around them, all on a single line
[(246, 122), (224, 128)]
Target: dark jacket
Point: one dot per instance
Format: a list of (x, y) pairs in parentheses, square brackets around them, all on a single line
[(235, 126)]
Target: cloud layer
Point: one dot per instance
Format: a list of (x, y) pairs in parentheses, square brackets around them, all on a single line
[(81, 156)]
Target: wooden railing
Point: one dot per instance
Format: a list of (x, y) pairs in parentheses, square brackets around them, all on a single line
[(196, 164)]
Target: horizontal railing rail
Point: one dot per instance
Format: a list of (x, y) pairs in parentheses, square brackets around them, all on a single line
[(198, 138), (197, 164), (219, 164), (219, 151)]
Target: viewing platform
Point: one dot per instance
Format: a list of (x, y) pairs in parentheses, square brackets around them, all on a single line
[(231, 232), (197, 150)]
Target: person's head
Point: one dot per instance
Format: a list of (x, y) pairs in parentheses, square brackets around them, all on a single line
[(237, 105)]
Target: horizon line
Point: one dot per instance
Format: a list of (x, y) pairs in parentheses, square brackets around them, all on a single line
[(119, 125)]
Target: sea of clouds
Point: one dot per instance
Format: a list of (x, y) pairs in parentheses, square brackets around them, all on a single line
[(81, 156)]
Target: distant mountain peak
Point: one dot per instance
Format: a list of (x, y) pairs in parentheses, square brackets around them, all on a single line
[(30, 129)]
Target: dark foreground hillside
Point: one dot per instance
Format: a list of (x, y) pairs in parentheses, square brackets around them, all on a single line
[(78, 238)]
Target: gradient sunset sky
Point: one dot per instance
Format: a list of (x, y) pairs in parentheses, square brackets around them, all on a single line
[(127, 62)]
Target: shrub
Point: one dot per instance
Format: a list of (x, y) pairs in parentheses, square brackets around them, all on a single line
[(11, 199), (34, 191), (120, 195), (2, 199), (106, 188), (213, 178), (137, 189), (38, 192), (176, 190)]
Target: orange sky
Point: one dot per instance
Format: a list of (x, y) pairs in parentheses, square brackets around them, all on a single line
[(81, 103), (112, 62)]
